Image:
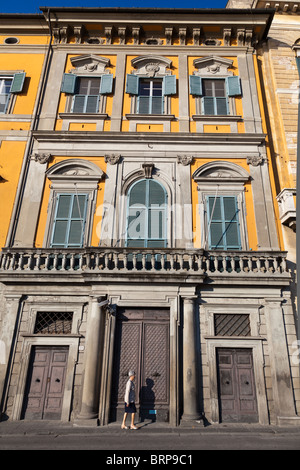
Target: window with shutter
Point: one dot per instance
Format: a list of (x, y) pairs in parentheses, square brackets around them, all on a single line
[(147, 215), (150, 97), (86, 99), (223, 223), (214, 101), (69, 221), (5, 88)]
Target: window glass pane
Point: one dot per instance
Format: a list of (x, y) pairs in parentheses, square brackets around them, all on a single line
[(208, 87), (157, 88), (157, 105), (79, 103), (75, 234), (136, 243), (156, 226), (156, 193), (230, 208), (94, 86), (215, 208), (63, 209), (89, 86), (138, 194), (144, 89), (144, 105), (221, 106), (78, 206), (231, 232), (92, 104), (209, 106), (216, 235), (219, 88), (136, 223), (60, 230), (156, 244)]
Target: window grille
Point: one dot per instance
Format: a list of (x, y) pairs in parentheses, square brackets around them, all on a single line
[(53, 323), (232, 325)]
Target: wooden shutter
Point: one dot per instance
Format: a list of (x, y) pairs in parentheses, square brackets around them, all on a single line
[(208, 105), (69, 83), (221, 105), (233, 86), (106, 84), (92, 104), (169, 85), (132, 84), (78, 104), (223, 223), (18, 82), (69, 221), (196, 85)]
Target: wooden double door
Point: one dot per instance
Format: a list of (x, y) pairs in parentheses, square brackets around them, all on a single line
[(142, 344), (236, 382), (45, 383)]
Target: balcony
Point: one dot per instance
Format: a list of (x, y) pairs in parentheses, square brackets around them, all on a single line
[(168, 265)]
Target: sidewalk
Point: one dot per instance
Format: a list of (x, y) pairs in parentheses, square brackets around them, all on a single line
[(42, 427)]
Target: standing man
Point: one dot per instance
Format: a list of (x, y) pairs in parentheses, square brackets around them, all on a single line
[(130, 401)]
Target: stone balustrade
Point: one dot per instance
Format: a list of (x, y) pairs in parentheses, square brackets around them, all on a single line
[(128, 260)]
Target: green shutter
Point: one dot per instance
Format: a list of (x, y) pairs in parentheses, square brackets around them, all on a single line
[(223, 223), (221, 104), (147, 215), (169, 85), (69, 83), (18, 82), (78, 104), (196, 85), (132, 84), (106, 84), (91, 104), (233, 86), (69, 220), (208, 105)]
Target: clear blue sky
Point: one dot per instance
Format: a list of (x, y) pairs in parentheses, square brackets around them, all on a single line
[(32, 6)]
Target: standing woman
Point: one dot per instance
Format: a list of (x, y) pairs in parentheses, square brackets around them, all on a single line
[(130, 401)]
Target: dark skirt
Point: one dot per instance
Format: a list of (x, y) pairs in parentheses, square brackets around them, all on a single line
[(131, 408)]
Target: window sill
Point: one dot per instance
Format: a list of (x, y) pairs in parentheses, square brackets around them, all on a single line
[(81, 116), (217, 118), (152, 117)]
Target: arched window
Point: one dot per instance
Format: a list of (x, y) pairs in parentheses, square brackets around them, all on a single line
[(147, 215)]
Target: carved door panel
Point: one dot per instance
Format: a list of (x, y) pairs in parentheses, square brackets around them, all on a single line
[(45, 383), (142, 344), (237, 397)]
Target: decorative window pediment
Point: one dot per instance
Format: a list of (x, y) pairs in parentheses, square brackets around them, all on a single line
[(74, 170), (213, 66), (220, 172), (90, 63), (151, 66)]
